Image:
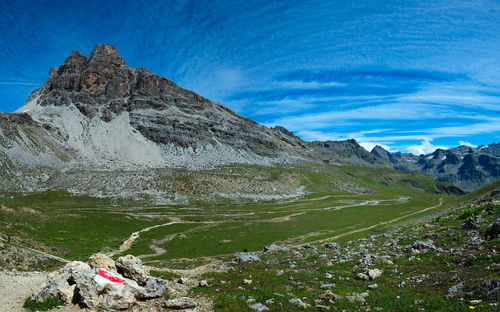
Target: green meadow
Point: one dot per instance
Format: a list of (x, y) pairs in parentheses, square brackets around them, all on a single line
[(74, 227)]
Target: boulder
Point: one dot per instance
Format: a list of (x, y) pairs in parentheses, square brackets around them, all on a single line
[(275, 248), (182, 280), (469, 224), (259, 307), (331, 245), (101, 261), (362, 277), (63, 278), (180, 303), (153, 288), (355, 297), (103, 289), (51, 287), (247, 257), (298, 302), (493, 230), (67, 293), (131, 267), (327, 286), (373, 274), (421, 246), (73, 271), (490, 289), (455, 290)]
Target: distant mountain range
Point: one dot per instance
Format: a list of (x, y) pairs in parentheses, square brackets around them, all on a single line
[(466, 167), (99, 127)]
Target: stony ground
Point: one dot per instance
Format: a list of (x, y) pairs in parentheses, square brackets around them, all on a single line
[(442, 264), (15, 287)]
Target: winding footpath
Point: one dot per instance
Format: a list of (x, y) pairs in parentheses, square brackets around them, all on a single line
[(378, 224), (127, 244)]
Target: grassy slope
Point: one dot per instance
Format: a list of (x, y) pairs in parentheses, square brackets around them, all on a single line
[(411, 283)]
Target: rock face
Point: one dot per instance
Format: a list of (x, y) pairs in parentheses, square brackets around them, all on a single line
[(345, 152), (157, 114), (466, 167)]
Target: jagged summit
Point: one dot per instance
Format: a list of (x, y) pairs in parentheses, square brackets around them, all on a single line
[(465, 166), (110, 114)]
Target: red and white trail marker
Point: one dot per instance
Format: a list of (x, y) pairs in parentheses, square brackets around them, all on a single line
[(109, 276)]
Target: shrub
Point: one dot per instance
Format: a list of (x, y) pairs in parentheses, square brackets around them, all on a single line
[(464, 214), (48, 304)]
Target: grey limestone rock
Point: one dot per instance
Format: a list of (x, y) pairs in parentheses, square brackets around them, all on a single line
[(247, 257), (131, 267), (101, 261), (259, 307), (275, 248), (455, 290)]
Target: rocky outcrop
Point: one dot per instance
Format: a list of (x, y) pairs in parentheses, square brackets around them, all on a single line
[(102, 288)]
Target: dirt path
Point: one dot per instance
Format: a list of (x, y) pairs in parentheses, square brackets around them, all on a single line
[(127, 244), (16, 287), (378, 224), (215, 265)]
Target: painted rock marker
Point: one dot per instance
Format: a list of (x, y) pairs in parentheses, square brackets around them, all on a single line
[(109, 276)]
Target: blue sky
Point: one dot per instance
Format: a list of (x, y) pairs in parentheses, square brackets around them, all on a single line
[(408, 75)]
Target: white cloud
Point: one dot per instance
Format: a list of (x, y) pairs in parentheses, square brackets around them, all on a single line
[(466, 144), (425, 148), (378, 112), (370, 145), (317, 136)]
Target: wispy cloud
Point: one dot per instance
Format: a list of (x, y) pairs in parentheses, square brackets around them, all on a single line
[(20, 83), (466, 143), (424, 148), (370, 75)]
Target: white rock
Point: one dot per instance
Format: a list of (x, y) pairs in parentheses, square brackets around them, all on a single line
[(98, 292), (131, 267), (101, 261), (67, 293), (259, 307), (373, 274)]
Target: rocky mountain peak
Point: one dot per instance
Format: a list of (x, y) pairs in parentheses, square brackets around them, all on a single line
[(106, 54), (378, 149)]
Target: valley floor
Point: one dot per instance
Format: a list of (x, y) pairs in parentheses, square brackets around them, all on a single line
[(198, 241)]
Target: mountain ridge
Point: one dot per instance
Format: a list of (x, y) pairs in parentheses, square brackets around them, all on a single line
[(464, 166), (97, 126)]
